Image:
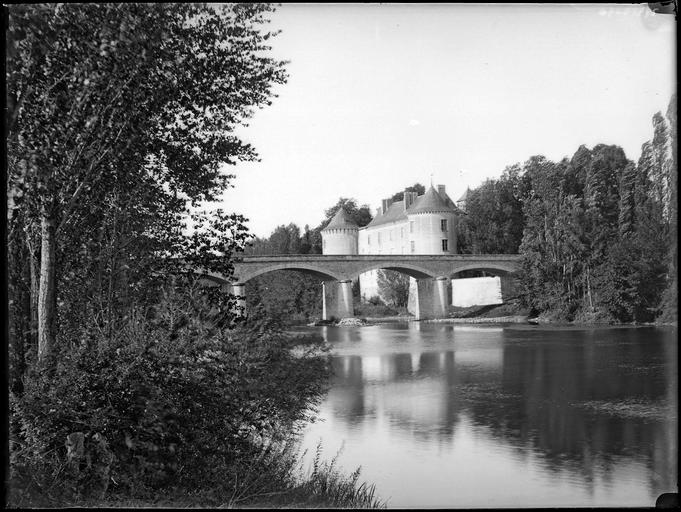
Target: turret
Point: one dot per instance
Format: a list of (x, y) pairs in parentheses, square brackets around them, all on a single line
[(340, 234), (434, 217)]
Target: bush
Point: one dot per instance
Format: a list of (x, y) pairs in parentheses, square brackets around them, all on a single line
[(182, 412)]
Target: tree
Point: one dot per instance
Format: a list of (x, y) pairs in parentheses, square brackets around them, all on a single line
[(494, 223), (670, 297), (360, 214), (102, 97), (416, 187), (393, 287)]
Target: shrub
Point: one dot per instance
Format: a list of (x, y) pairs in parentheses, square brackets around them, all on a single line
[(181, 410)]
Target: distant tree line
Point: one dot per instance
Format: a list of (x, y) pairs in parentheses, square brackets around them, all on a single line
[(597, 231)]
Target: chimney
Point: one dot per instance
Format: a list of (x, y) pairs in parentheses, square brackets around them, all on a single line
[(441, 191), (385, 204), (409, 198)]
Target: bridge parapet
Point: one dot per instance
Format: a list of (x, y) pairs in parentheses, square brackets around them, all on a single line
[(349, 267)]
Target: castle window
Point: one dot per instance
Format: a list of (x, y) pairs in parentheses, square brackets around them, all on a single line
[(413, 246), (390, 235), (379, 238), (411, 226), (444, 244), (324, 244), (443, 224), (401, 232), (368, 239)]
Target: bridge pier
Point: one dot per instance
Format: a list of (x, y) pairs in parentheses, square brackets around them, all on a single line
[(337, 300), (431, 298), (509, 287), (239, 290)]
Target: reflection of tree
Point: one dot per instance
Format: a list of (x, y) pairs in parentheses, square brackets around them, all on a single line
[(547, 378), (537, 399)]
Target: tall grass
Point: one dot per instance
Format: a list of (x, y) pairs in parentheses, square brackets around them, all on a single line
[(323, 485), (337, 489)]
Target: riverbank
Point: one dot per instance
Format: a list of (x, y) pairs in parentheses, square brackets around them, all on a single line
[(510, 312), (324, 487)]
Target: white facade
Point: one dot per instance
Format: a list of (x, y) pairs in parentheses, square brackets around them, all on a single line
[(339, 241), (423, 225)]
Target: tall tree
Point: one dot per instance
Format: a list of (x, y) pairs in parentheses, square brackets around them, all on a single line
[(494, 223), (100, 97)]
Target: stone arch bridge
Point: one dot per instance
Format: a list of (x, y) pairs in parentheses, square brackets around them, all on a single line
[(336, 273)]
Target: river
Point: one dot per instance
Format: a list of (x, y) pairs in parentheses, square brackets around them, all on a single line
[(456, 416)]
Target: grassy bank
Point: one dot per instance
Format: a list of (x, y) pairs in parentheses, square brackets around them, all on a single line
[(187, 416), (322, 486)]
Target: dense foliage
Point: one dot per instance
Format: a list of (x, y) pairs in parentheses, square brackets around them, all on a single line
[(597, 232), (183, 404), (494, 220), (119, 117), (127, 379), (393, 287)]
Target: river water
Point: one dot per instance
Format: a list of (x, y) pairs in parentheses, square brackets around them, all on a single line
[(454, 416)]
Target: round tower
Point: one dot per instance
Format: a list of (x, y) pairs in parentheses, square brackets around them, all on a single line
[(340, 235), (432, 218)]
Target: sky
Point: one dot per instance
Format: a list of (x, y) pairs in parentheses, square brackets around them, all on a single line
[(380, 97)]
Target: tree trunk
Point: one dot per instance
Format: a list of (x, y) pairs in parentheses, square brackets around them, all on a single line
[(47, 287), (588, 288), (34, 263)]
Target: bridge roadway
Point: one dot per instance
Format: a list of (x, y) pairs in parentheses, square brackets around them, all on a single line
[(336, 273)]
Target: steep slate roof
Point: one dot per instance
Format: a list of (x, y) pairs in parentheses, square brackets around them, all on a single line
[(341, 220), (394, 213), (431, 201), (464, 197)]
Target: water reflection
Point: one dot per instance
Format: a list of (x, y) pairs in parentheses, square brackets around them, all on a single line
[(576, 417)]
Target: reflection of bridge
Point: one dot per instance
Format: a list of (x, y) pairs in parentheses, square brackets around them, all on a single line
[(432, 274)]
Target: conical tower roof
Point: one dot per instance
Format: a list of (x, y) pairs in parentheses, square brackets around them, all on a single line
[(464, 197), (431, 201), (341, 220)]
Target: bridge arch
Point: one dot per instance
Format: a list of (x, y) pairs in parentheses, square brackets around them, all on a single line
[(242, 276), (498, 269), (409, 269)]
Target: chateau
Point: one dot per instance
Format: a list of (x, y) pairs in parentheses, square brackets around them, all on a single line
[(425, 224)]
